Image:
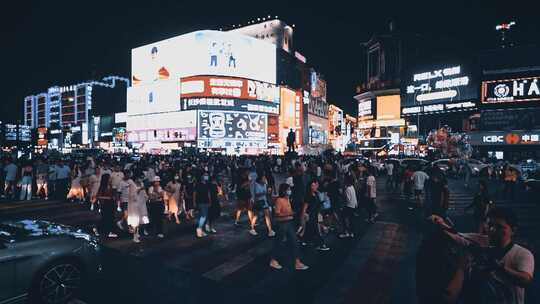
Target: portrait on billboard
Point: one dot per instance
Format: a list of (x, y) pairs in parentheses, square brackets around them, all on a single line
[(205, 53)]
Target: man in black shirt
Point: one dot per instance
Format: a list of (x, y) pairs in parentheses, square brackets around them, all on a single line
[(201, 200)]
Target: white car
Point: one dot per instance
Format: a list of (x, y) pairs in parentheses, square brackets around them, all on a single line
[(476, 166)]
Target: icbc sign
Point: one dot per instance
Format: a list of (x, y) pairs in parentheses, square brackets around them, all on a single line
[(228, 87), (502, 138)]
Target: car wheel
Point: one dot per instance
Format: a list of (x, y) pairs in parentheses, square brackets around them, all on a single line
[(58, 282)]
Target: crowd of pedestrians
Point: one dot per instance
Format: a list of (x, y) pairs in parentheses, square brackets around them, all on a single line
[(298, 200)]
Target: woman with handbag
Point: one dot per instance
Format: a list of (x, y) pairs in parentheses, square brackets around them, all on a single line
[(260, 192)]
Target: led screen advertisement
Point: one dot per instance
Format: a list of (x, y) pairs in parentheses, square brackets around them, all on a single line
[(155, 127), (209, 103), (229, 87), (157, 98), (366, 109), (510, 90), (388, 107), (224, 129), (439, 84), (204, 53)]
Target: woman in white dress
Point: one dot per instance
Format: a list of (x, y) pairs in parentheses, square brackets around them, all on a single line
[(173, 190), (137, 212)]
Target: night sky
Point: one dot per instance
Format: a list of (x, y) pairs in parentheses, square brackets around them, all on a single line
[(46, 43)]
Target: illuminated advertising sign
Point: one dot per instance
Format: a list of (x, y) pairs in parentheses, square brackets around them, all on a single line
[(506, 138), (119, 137), (224, 129), (208, 103), (167, 120), (157, 98), (438, 84), (25, 133), (318, 86), (511, 90), (438, 108), (229, 87), (162, 135), (366, 109), (42, 137), (388, 107), (10, 132), (204, 53)]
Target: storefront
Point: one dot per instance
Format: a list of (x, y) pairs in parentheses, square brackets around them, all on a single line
[(507, 145)]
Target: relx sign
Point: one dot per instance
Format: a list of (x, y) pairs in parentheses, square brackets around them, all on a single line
[(511, 90)]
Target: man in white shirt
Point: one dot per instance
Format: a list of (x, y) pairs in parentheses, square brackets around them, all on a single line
[(63, 173), (512, 266), (515, 263), (371, 194), (419, 179), (389, 172), (116, 178), (126, 189)]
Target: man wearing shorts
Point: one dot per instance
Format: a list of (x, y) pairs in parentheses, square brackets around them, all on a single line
[(419, 179)]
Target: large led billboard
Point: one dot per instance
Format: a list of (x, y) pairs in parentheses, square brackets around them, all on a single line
[(230, 129), (229, 87), (204, 53), (439, 87), (510, 90)]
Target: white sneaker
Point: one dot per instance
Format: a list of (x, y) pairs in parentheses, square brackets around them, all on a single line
[(96, 232), (145, 232), (136, 238), (344, 235), (112, 235), (200, 233), (272, 233), (274, 264), (207, 228), (119, 224), (118, 209), (213, 230), (92, 207), (253, 232), (160, 236)]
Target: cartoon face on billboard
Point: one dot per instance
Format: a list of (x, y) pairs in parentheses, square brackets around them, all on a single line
[(232, 127)]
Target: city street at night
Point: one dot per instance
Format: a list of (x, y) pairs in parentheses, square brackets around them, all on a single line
[(269, 152)]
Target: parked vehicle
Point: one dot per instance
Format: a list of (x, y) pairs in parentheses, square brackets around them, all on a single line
[(44, 262)]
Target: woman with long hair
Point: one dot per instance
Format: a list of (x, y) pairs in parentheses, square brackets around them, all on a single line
[(310, 211), (284, 221), (105, 196)]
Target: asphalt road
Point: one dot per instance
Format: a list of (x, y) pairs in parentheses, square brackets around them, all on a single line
[(378, 266)]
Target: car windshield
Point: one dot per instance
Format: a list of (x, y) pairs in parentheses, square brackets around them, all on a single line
[(24, 229)]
